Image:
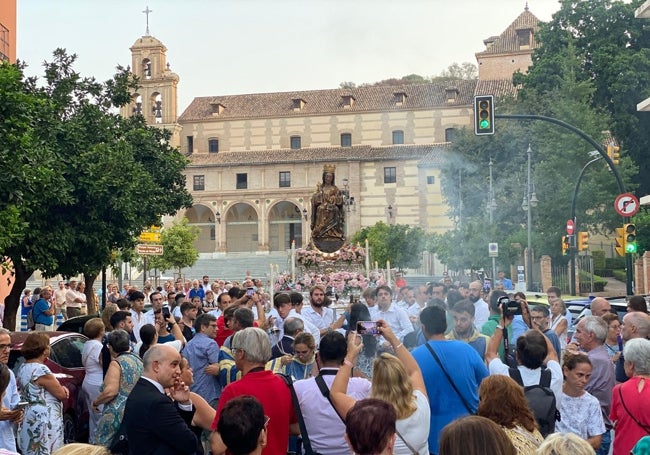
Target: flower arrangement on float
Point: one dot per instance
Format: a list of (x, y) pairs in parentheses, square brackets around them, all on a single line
[(341, 282), (347, 254)]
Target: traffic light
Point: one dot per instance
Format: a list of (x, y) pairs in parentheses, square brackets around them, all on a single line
[(583, 240), (483, 115), (613, 152), (630, 238), (620, 241), (626, 239), (565, 245)]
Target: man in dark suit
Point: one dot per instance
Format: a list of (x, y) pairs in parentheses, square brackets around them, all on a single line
[(292, 327), (155, 423)]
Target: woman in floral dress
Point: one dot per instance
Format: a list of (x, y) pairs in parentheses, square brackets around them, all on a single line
[(124, 371), (41, 431)]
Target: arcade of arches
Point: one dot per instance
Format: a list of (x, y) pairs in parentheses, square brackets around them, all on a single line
[(248, 226)]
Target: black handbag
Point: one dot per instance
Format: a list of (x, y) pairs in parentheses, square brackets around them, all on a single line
[(120, 443)]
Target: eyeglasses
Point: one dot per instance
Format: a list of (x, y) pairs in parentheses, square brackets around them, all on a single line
[(4, 346), (266, 420), (234, 350)]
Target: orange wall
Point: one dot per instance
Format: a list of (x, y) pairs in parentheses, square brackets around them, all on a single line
[(8, 20)]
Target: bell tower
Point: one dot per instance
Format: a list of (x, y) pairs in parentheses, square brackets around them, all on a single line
[(156, 97)]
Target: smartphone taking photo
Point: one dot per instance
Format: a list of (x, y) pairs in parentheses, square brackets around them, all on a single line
[(367, 328)]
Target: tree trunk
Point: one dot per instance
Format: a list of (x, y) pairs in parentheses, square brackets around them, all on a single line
[(12, 302), (91, 305)]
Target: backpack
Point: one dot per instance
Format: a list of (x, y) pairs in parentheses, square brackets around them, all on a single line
[(31, 325), (541, 400)]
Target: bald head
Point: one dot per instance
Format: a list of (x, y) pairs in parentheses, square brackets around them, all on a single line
[(600, 307), (162, 364), (635, 325)]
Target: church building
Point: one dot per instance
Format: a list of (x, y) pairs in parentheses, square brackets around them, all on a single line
[(255, 159)]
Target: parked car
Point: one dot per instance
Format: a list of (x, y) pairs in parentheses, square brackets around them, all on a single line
[(65, 363), (77, 323)]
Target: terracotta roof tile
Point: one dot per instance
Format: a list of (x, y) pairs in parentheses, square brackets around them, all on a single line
[(498, 88), (319, 102), (507, 41), (316, 155)]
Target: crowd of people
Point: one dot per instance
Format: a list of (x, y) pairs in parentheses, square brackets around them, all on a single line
[(437, 369)]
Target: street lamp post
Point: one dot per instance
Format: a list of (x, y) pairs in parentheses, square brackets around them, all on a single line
[(348, 203), (491, 206), (530, 201)]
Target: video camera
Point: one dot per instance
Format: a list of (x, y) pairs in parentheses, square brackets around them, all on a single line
[(509, 307)]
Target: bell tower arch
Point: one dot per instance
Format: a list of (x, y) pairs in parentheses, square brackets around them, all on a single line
[(157, 95)]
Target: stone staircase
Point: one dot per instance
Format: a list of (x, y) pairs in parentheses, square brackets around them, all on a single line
[(234, 266)]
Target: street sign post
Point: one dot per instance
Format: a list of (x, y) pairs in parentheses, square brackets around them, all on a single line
[(150, 237), (570, 227), (626, 204), (149, 250)]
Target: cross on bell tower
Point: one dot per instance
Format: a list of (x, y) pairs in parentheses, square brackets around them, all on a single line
[(147, 11)]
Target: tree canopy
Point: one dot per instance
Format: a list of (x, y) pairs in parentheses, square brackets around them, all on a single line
[(98, 178), (610, 50), (400, 244)]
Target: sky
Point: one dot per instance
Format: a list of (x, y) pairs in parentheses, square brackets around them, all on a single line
[(225, 47)]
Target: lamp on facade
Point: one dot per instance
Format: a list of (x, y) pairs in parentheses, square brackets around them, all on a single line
[(390, 213), (304, 213), (348, 201), (218, 215)]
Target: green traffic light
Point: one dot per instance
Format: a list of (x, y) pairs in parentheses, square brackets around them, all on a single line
[(484, 124), (630, 248)]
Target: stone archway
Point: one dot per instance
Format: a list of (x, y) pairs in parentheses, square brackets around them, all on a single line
[(202, 217), (285, 226), (241, 228)]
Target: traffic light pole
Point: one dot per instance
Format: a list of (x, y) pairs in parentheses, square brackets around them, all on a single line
[(603, 154), (574, 247)]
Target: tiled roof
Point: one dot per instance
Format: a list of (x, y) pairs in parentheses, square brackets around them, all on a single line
[(315, 155), (317, 102), (498, 88), (507, 41), (436, 156)]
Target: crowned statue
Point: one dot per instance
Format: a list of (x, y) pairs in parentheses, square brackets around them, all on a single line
[(327, 214)]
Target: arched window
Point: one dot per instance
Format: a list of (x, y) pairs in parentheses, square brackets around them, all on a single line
[(157, 106), (146, 68)]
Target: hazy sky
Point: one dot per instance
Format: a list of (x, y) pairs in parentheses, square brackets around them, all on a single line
[(221, 47)]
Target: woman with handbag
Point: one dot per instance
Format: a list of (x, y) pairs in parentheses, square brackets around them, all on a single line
[(630, 408)]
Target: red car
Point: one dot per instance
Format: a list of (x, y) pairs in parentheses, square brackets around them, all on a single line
[(65, 363)]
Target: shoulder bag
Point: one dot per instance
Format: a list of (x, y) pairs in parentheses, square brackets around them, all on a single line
[(437, 359)]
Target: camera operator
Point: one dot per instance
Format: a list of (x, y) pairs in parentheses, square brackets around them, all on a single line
[(533, 352)]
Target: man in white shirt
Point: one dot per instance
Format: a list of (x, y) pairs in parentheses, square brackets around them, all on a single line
[(482, 309), (321, 316), (73, 301), (396, 317), (157, 301), (297, 304), (59, 299), (370, 297), (137, 305), (324, 426)]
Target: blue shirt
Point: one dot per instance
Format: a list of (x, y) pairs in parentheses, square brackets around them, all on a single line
[(464, 367), (200, 352), (40, 307)]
